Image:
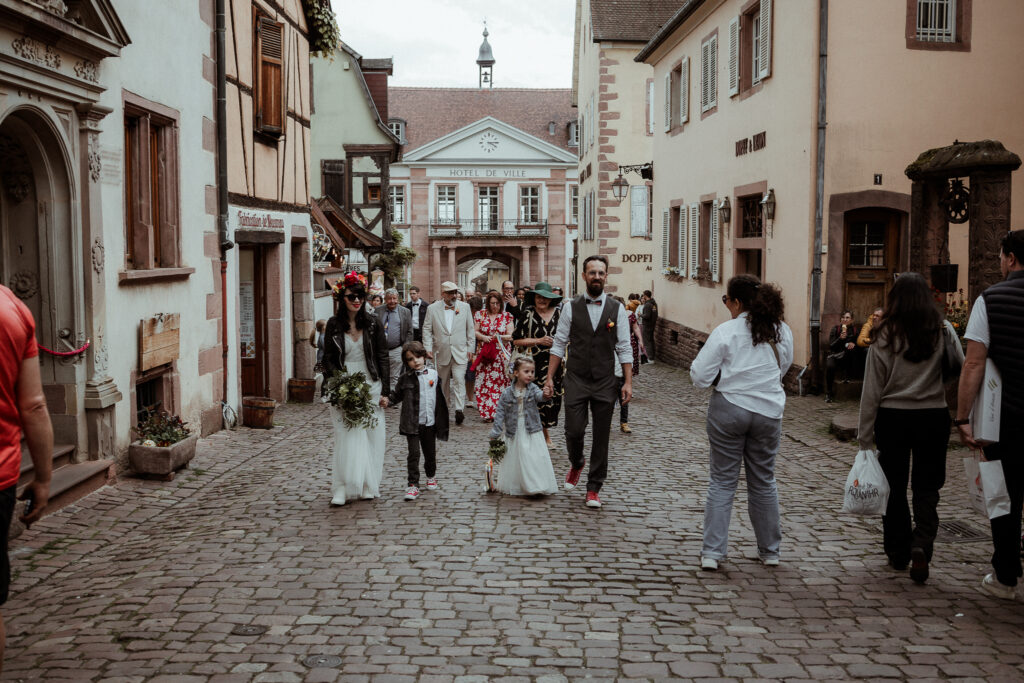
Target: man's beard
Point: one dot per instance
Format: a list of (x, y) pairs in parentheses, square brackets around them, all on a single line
[(594, 288)]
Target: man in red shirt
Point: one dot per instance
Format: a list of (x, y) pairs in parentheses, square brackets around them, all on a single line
[(22, 407)]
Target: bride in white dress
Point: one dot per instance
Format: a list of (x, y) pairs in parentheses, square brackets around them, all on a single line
[(354, 341)]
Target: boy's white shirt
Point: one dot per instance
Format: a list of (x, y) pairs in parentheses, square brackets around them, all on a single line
[(428, 397)]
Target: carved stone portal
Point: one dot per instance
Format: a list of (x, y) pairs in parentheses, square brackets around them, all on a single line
[(937, 197)]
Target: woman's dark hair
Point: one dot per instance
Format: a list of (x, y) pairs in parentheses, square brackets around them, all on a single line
[(911, 323), (763, 304), (363, 318), (487, 301)]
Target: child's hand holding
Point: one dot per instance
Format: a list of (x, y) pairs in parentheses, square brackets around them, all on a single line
[(383, 401)]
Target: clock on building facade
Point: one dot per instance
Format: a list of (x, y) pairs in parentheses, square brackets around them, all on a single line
[(488, 142)]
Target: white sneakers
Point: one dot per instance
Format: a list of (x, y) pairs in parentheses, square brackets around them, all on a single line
[(708, 564), (413, 493), (772, 561), (432, 484), (990, 584)]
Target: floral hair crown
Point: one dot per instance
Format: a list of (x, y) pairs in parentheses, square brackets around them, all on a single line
[(350, 280)]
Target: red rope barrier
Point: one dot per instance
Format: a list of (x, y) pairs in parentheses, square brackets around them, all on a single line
[(64, 354)]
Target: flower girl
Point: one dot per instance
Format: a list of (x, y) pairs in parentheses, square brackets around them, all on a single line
[(526, 468)]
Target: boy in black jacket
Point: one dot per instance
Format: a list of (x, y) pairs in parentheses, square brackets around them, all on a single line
[(419, 387)]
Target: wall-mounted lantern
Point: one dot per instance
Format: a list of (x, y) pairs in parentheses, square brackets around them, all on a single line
[(620, 186), (724, 212)]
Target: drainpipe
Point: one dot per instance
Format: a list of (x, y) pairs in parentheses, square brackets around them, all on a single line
[(222, 185), (819, 198)]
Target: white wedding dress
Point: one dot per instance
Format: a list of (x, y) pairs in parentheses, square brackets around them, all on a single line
[(358, 461), (526, 469)]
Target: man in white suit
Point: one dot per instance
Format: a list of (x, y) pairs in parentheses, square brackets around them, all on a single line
[(448, 335)]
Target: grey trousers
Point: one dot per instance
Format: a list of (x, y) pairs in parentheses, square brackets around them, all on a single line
[(599, 398), (739, 436), (395, 362)]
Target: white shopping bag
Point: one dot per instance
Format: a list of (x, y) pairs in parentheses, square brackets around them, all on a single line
[(993, 483), (974, 491), (867, 491), (986, 409)]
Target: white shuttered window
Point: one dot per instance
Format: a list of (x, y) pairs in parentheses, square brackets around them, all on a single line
[(714, 246), (684, 90), (709, 74), (693, 240), (764, 41), (664, 239), (681, 228), (734, 56), (668, 102)]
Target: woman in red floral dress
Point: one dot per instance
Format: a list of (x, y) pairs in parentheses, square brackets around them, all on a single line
[(492, 324)]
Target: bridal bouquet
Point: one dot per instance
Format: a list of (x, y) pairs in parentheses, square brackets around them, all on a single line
[(496, 451), (351, 395)]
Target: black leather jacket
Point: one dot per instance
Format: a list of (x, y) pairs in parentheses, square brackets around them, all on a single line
[(375, 347)]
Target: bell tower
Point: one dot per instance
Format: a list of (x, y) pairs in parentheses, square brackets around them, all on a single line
[(486, 63)]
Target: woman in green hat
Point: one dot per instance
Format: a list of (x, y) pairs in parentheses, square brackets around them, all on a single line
[(534, 335)]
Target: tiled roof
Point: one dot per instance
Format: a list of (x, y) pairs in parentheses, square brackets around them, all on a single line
[(431, 113), (630, 19), (384, 64)]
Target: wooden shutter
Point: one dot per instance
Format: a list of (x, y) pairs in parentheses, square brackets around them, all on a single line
[(734, 56), (681, 229), (664, 239), (668, 101), (684, 90), (765, 57), (713, 73), (714, 245), (269, 76), (694, 239), (704, 59)]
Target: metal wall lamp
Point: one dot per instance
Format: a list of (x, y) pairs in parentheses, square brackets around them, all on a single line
[(725, 212), (620, 186), (768, 208)]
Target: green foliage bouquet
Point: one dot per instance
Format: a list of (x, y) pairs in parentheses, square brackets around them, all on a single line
[(496, 451), (162, 429), (351, 395)]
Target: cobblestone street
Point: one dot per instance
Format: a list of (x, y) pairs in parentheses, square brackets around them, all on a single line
[(146, 580)]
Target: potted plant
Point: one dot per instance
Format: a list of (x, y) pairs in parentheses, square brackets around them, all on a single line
[(164, 444)]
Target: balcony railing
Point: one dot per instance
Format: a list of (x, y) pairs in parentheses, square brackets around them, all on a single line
[(507, 228)]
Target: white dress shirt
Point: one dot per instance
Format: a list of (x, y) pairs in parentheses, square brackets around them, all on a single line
[(416, 313), (623, 349), (428, 395), (751, 378), (449, 316)]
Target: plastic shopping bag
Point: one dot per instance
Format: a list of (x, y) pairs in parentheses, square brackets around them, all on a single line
[(867, 491), (993, 483), (974, 491)]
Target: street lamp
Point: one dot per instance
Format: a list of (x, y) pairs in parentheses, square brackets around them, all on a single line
[(768, 208), (620, 186), (725, 211)]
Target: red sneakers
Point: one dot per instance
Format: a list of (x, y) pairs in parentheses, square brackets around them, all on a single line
[(573, 478), (592, 500)]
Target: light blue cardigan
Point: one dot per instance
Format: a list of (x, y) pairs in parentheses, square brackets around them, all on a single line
[(507, 412)]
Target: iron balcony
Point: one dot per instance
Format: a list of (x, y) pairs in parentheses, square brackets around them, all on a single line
[(507, 228)]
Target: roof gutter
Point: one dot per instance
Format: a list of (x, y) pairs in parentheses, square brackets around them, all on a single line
[(677, 20)]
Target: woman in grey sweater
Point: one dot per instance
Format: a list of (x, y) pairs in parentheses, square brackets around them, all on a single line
[(903, 410)]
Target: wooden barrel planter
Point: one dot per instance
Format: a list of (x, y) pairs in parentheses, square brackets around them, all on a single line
[(258, 412), (301, 390)]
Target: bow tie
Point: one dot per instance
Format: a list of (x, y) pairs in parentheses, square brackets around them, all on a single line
[(449, 308), (423, 371), (593, 301)]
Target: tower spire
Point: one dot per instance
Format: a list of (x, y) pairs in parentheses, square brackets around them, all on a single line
[(485, 62)]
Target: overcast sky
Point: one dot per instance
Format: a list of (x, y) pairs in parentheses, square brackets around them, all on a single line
[(436, 42)]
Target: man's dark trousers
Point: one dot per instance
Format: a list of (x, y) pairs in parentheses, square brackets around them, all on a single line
[(1006, 529), (591, 387)]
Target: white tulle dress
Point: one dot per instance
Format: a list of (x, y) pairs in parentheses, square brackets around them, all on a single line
[(526, 468), (358, 461)]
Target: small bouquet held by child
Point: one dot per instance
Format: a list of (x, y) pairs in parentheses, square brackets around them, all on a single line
[(350, 393), (495, 454)]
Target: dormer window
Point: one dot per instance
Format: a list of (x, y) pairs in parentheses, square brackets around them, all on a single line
[(397, 127), (574, 134)]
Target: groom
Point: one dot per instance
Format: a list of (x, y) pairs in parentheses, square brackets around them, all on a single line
[(596, 329)]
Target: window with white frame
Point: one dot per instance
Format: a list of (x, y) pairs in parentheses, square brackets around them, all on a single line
[(574, 134), (397, 127), (936, 21), (750, 40), (574, 204), (677, 93), (709, 74), (396, 203), (445, 212), (529, 204)]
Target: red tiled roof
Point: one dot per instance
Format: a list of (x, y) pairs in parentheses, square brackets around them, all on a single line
[(431, 113), (635, 20)]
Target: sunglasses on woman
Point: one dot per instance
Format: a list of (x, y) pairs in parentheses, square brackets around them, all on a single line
[(354, 297)]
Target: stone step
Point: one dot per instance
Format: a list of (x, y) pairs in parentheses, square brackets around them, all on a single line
[(62, 454)]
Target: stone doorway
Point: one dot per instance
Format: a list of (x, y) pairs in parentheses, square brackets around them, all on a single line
[(39, 257)]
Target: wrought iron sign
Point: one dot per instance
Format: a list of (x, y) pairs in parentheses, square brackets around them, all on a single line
[(956, 202)]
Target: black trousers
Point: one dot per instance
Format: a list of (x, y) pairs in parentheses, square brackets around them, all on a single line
[(585, 397), (921, 435), (623, 407), (417, 334), (427, 440), (1006, 529), (648, 335)]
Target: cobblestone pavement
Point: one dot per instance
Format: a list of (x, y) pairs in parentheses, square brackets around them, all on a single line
[(146, 580)]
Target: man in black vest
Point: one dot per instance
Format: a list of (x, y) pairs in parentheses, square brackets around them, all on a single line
[(595, 328), (994, 331)]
